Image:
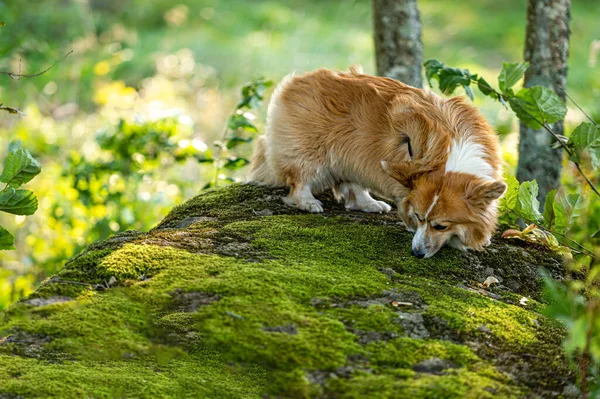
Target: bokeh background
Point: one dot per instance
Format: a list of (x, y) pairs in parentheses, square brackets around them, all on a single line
[(150, 82)]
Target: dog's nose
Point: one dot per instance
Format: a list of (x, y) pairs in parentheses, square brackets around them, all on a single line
[(418, 253)]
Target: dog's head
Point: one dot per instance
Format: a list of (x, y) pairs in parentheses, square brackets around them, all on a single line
[(454, 208)]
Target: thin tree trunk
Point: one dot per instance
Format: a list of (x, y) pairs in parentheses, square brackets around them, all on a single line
[(547, 49), (398, 46)]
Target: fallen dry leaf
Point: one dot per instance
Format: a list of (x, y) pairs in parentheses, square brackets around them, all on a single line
[(489, 281), (523, 301)]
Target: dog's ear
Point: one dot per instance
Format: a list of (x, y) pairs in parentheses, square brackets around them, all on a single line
[(402, 172), (482, 194)]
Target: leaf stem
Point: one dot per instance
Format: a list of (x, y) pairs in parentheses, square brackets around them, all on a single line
[(545, 125), (33, 75)]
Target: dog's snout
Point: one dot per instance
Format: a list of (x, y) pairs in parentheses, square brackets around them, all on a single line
[(418, 253)]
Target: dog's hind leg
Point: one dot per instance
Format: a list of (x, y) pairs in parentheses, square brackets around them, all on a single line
[(357, 198)]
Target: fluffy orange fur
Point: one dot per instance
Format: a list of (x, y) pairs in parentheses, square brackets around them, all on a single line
[(436, 158)]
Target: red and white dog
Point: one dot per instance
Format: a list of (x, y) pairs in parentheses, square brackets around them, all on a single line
[(436, 158)]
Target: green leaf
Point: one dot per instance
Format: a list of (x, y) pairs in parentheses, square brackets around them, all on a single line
[(557, 296), (241, 122), (469, 92), (527, 204), (234, 163), (509, 201), (15, 145), (566, 207), (511, 74), (203, 159), (432, 67), (7, 241), (577, 335), (485, 87), (18, 202), (549, 209), (19, 168), (233, 142), (586, 138), (451, 78), (2, 23), (537, 105)]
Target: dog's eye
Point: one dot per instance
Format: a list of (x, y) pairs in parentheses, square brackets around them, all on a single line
[(410, 150), (418, 217), (440, 227)]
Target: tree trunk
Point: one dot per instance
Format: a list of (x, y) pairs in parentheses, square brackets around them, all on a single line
[(398, 46), (546, 49)]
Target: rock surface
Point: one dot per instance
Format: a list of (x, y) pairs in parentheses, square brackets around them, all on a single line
[(234, 295)]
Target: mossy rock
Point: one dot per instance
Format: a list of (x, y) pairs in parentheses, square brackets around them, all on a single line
[(235, 295)]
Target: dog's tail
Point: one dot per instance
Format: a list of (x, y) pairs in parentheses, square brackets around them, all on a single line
[(260, 171)]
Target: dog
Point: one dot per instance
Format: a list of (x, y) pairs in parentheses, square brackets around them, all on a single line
[(436, 158)]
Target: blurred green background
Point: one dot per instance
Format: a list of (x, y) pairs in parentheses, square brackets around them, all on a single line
[(152, 80)]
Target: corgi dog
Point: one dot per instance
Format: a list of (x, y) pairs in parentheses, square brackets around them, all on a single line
[(436, 158)]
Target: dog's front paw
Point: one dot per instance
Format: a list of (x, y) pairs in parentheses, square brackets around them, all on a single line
[(372, 206), (310, 205)]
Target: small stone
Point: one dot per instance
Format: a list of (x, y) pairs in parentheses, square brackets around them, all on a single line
[(111, 281), (413, 325), (287, 329), (484, 329), (48, 301), (433, 365), (264, 212), (388, 271)]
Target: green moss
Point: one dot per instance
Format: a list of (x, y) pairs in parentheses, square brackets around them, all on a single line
[(289, 305), (201, 375), (459, 383)]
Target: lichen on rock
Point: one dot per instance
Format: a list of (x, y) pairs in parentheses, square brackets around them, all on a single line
[(234, 294)]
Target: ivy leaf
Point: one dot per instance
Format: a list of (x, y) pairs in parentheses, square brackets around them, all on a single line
[(566, 207), (19, 168), (234, 163), (7, 241), (537, 105), (18, 202), (511, 74), (586, 138), (528, 206)]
